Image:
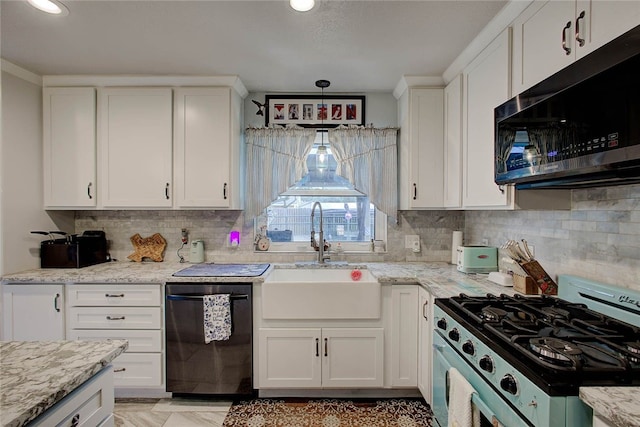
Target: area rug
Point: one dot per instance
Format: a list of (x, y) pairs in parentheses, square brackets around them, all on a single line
[(329, 413)]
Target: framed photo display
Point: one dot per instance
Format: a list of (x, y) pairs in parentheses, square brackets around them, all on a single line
[(311, 111)]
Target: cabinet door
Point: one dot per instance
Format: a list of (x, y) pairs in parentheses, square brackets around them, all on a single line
[(486, 87), (69, 147), (425, 330), (33, 312), (202, 147), (352, 357), (603, 21), (421, 118), (404, 336), (538, 35), (135, 138), (289, 358), (453, 143)]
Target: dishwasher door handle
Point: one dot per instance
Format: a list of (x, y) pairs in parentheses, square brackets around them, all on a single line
[(201, 297)]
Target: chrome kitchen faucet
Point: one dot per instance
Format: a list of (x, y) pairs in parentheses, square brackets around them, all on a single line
[(314, 243)]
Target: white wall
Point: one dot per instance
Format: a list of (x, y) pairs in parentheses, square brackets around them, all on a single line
[(21, 202)]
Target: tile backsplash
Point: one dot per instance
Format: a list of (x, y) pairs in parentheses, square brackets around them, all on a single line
[(598, 238), (434, 228)]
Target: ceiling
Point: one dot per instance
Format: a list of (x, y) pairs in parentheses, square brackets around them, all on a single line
[(360, 46)]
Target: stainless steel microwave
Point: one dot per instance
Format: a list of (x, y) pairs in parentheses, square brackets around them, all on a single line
[(578, 128)]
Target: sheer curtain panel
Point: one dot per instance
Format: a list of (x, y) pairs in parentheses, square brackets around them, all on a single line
[(368, 158), (276, 159)]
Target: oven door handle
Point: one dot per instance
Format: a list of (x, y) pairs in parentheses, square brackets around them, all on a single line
[(201, 297), (482, 407)]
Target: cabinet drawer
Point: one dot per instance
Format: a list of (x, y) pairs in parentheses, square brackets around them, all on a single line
[(88, 405), (114, 318), (114, 295), (140, 341), (137, 370)]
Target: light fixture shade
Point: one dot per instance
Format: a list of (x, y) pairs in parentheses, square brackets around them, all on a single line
[(302, 5), (322, 158), (53, 7)]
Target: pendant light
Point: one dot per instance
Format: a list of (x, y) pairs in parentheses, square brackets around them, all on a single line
[(322, 156)]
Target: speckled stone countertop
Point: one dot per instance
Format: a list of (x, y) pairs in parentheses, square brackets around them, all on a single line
[(36, 375), (620, 406), (440, 278)]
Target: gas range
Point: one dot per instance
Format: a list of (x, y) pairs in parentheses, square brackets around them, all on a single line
[(527, 357)]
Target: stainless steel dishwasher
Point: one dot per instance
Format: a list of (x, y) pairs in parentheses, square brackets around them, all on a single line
[(217, 368)]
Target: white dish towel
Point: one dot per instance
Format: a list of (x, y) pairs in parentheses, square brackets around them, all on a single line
[(217, 317), (462, 413)]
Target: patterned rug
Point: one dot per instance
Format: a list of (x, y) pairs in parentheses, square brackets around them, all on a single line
[(329, 413)]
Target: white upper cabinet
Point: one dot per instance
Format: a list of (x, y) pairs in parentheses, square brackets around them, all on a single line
[(69, 135), (421, 118), (549, 35), (206, 152), (453, 143), (135, 139), (486, 85)]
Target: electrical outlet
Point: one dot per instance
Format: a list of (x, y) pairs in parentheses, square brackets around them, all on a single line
[(185, 236), (411, 241)]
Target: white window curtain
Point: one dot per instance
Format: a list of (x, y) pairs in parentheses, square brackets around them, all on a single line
[(368, 158), (276, 159)]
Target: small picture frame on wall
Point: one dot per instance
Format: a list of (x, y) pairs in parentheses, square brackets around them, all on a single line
[(313, 111)]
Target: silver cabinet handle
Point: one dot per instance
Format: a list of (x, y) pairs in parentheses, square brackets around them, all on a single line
[(114, 295), (55, 303), (166, 191), (224, 191), (579, 39), (89, 190), (115, 318), (424, 310), (119, 369), (567, 50)]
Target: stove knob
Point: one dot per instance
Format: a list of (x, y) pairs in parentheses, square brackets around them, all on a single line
[(454, 334), (469, 348), (509, 384), (442, 324), (486, 364)]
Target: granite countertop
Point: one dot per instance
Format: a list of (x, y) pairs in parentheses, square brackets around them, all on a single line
[(36, 375), (620, 406), (440, 278)]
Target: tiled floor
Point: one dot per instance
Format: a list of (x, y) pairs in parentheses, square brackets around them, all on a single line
[(170, 412)]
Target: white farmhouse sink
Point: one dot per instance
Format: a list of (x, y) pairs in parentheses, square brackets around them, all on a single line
[(320, 293)]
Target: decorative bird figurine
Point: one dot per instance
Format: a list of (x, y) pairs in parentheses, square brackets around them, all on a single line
[(260, 111)]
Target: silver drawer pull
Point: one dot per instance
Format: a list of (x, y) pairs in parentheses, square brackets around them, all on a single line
[(114, 295), (119, 369), (115, 318)]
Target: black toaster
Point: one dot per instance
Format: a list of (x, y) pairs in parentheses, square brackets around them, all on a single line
[(74, 251)]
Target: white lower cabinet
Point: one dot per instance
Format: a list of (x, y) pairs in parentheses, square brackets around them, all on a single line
[(131, 312), (404, 336), (33, 312), (425, 339), (91, 404), (321, 357)]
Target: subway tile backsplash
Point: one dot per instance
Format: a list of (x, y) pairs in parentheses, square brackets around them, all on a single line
[(598, 238)]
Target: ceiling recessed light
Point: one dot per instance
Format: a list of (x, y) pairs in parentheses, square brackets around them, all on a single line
[(53, 7), (302, 5)]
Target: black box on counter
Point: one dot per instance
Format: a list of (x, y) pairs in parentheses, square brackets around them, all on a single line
[(74, 251)]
